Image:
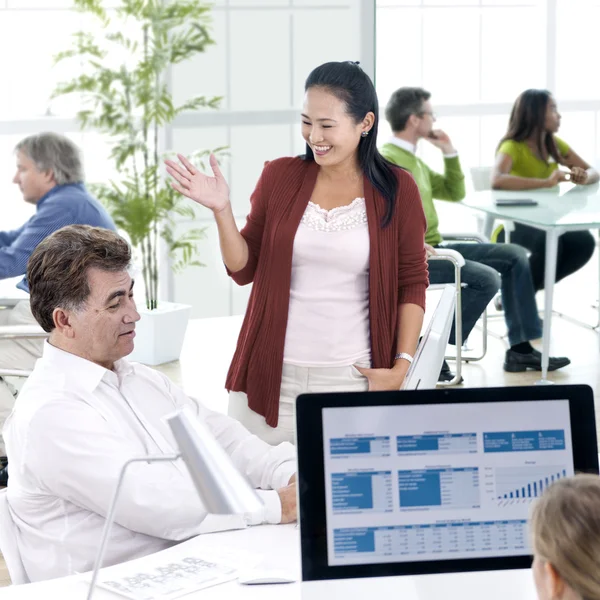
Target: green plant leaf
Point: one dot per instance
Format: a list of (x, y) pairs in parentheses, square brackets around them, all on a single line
[(123, 88)]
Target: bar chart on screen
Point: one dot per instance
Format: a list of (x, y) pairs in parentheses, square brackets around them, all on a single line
[(524, 484)]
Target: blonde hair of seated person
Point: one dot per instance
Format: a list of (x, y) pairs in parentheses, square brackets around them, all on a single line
[(566, 540)]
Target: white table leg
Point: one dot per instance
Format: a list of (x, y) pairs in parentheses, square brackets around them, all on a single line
[(488, 225), (549, 277)]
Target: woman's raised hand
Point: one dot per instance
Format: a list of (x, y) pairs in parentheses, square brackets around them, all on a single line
[(211, 192)]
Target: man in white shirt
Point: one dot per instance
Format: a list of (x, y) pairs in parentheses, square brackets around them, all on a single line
[(85, 410)]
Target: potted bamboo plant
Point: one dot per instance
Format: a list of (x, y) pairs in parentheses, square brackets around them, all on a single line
[(122, 84)]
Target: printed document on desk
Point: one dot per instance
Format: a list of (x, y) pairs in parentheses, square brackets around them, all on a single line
[(174, 573)]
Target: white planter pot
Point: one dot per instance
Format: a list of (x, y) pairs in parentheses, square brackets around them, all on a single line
[(159, 333)]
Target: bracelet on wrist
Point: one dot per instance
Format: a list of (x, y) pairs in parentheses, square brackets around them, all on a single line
[(404, 355)]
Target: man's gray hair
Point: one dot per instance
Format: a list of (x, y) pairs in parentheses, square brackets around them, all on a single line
[(405, 102), (54, 152)]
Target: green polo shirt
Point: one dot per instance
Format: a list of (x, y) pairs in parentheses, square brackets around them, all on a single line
[(449, 186)]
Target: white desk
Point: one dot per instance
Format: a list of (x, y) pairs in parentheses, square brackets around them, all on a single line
[(279, 546), (560, 209), (207, 351)]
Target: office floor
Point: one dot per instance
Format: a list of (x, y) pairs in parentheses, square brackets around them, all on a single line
[(580, 344)]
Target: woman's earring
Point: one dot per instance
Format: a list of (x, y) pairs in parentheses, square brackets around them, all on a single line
[(364, 134)]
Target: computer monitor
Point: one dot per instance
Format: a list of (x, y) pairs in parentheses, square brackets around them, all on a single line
[(431, 481), (425, 369)]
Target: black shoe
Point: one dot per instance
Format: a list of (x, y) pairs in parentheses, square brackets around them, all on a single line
[(4, 476), (517, 363), (446, 374)]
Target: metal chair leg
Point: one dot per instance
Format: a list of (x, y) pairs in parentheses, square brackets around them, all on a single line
[(457, 329), (484, 341)]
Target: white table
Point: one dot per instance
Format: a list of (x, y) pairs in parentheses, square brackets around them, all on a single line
[(279, 547), (564, 208), (207, 351)]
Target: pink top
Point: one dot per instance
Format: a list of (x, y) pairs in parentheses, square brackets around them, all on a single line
[(328, 318)]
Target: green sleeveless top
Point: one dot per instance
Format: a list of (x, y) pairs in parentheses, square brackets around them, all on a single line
[(526, 164)]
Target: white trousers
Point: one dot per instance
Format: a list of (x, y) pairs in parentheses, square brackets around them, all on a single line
[(16, 354), (294, 381)]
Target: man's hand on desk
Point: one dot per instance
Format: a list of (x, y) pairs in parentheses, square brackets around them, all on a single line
[(287, 495)]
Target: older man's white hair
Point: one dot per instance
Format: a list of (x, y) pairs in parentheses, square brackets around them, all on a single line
[(54, 152)]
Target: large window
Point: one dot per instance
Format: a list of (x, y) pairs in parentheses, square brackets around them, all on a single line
[(263, 52), (476, 56)]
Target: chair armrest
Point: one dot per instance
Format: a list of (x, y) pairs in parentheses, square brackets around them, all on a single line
[(466, 237), (453, 256), (15, 372), (10, 332)]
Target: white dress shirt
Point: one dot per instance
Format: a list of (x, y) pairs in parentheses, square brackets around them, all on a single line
[(74, 425)]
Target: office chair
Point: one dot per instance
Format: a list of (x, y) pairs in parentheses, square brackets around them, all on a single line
[(458, 262), (14, 332)]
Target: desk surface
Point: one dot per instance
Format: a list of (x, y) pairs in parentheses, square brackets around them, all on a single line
[(279, 548), (568, 206)]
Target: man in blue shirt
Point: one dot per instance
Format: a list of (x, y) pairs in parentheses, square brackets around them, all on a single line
[(49, 175)]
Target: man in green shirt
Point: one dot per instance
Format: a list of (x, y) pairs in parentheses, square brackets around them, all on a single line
[(411, 118)]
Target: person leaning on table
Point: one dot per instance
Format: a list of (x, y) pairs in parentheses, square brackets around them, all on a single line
[(334, 246), (529, 157), (566, 540)]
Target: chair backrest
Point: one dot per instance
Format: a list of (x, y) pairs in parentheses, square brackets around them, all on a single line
[(481, 178), (8, 543)]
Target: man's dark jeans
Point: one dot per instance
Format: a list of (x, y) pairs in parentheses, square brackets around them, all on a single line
[(489, 267)]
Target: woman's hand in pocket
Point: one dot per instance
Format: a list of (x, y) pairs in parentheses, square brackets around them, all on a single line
[(383, 379)]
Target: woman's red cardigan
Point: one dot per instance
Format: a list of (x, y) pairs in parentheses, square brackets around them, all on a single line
[(397, 274)]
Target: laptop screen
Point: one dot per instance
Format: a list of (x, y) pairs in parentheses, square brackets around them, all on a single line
[(421, 483)]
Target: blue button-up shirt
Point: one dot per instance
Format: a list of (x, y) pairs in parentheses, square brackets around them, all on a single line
[(69, 204)]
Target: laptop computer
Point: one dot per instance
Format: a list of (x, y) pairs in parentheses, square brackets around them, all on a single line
[(432, 481), (424, 371)]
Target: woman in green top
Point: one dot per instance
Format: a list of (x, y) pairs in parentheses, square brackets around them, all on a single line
[(528, 158)]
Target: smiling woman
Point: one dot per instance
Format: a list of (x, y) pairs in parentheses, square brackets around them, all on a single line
[(334, 247)]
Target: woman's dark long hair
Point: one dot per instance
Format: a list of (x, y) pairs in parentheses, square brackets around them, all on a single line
[(527, 120), (350, 84)]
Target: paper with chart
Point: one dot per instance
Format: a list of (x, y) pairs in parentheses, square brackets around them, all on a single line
[(446, 481), (176, 572)]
